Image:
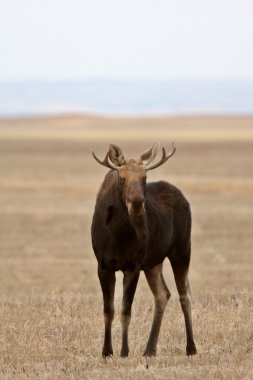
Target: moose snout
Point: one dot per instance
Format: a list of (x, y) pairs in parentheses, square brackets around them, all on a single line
[(136, 207)]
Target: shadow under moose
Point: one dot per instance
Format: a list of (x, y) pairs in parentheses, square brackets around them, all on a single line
[(135, 226)]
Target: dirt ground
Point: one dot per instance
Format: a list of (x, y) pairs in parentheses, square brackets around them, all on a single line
[(51, 321)]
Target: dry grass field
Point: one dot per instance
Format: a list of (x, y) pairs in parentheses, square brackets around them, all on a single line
[(51, 321)]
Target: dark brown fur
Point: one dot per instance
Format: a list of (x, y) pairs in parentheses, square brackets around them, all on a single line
[(138, 239)]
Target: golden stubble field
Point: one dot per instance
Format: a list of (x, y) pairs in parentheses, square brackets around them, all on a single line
[(51, 322)]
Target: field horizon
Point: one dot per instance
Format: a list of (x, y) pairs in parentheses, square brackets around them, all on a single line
[(51, 302)]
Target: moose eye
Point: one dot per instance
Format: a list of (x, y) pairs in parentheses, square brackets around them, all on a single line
[(121, 179), (144, 180)]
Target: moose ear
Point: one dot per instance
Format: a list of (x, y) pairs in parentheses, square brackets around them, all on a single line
[(116, 155), (150, 154)]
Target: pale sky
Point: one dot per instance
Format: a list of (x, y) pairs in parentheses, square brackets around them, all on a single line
[(131, 39)]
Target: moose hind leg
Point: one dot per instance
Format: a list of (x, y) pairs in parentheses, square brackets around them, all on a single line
[(107, 282), (130, 282), (161, 296), (182, 282)]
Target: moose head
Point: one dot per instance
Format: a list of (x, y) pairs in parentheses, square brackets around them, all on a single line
[(132, 175)]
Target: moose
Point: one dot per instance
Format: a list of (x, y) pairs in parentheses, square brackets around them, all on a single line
[(135, 226)]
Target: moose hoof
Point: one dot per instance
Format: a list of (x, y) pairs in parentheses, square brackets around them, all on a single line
[(107, 353), (191, 349), (150, 352), (124, 354)]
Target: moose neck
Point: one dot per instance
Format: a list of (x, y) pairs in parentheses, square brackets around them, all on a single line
[(141, 228)]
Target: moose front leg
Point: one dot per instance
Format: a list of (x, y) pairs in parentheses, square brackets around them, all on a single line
[(107, 282), (130, 282)]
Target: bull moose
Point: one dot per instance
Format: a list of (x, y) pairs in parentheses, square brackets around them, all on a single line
[(135, 226)]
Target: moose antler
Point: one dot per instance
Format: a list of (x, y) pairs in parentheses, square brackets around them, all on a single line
[(105, 162), (163, 159)]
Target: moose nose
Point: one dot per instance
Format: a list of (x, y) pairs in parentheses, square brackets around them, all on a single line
[(135, 200), (137, 203), (136, 206)]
